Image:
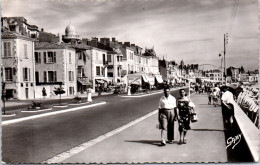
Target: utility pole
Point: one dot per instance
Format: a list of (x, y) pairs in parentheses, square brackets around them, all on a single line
[(225, 42)]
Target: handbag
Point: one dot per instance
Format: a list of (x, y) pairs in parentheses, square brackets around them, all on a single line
[(193, 116)]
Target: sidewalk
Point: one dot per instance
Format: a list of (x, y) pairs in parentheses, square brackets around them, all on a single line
[(140, 143), (14, 103)]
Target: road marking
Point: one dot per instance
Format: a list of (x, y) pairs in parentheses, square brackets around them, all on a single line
[(48, 109), (142, 95), (67, 154), (5, 115), (151, 93), (8, 122)]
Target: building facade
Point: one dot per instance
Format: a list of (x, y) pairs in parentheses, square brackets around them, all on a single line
[(18, 76), (54, 65)]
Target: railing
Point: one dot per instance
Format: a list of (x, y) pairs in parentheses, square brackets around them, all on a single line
[(249, 105), (249, 131)]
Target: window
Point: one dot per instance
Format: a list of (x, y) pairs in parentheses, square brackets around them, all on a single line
[(50, 57), (37, 57), (110, 74), (104, 59), (70, 58), (98, 70), (12, 27), (71, 76), (52, 76), (26, 74), (8, 74), (45, 76), (7, 49), (33, 35), (71, 89), (80, 55), (109, 58), (25, 50)]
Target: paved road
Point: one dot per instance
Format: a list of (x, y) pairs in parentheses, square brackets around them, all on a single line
[(37, 140)]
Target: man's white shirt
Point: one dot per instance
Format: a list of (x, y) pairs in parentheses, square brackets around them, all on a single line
[(167, 102)]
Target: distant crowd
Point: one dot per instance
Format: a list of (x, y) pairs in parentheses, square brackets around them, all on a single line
[(245, 96)]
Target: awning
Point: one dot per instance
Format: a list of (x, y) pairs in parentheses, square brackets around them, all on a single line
[(100, 81), (151, 80), (84, 82), (159, 79), (145, 78), (134, 81)]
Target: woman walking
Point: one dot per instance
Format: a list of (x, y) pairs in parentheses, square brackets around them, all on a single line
[(184, 106)]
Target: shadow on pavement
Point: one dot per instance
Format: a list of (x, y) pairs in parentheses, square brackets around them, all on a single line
[(152, 142), (207, 130)]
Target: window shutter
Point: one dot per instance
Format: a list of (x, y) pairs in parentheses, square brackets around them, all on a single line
[(45, 76), (44, 54), (39, 57), (29, 77), (55, 76), (54, 57), (14, 71), (23, 74), (72, 75)]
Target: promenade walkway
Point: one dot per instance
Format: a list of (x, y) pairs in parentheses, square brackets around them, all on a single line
[(140, 142)]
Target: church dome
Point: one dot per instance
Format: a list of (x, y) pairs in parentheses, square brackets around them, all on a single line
[(70, 30)]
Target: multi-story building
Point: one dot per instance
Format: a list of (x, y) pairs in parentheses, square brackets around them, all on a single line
[(55, 64), (233, 73), (98, 72), (18, 65), (215, 75), (19, 25), (128, 63), (114, 60)]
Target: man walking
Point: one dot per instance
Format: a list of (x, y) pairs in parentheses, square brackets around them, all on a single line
[(227, 101), (167, 115)]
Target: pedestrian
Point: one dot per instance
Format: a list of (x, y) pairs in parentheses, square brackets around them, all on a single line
[(239, 89), (215, 97), (196, 88), (44, 94), (210, 95), (99, 89), (167, 115), (184, 108), (227, 101)]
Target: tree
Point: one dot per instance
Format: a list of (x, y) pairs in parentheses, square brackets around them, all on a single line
[(59, 91)]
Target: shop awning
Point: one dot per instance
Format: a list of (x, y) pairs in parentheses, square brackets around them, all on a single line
[(159, 79), (133, 80), (100, 81), (151, 80), (145, 78), (84, 82)]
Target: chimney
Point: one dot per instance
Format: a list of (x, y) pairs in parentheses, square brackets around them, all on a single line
[(113, 39), (94, 42), (127, 44), (42, 30), (133, 45)]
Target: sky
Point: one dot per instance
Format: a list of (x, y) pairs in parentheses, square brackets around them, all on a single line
[(189, 30)]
